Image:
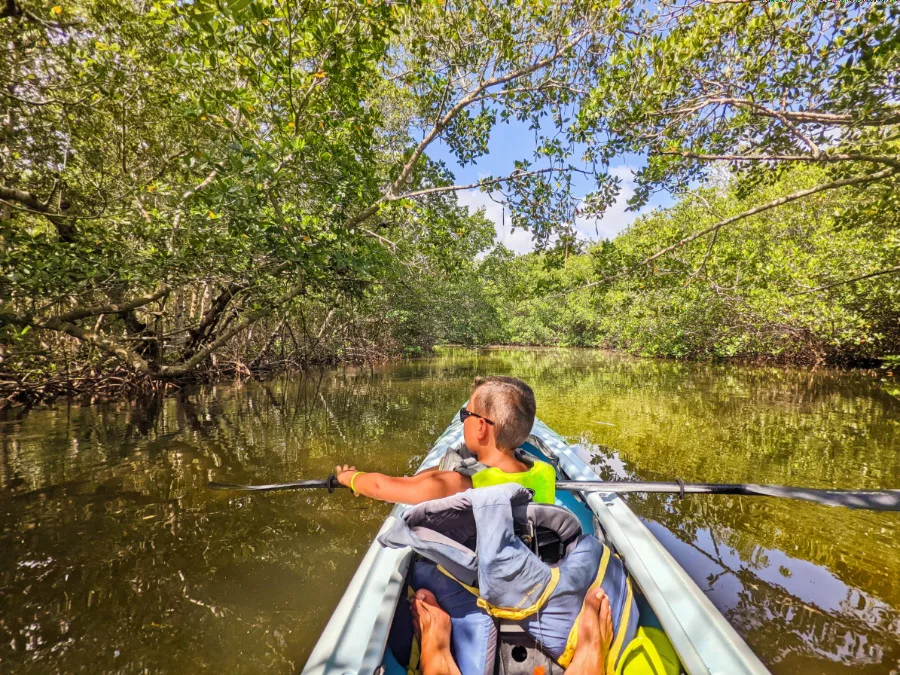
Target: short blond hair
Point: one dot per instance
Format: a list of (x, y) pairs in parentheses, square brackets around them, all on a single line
[(509, 403)]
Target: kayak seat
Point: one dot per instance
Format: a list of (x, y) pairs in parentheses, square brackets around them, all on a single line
[(550, 531), (519, 562), (429, 535)]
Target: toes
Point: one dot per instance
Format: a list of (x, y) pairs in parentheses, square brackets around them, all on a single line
[(426, 597), (603, 600), (607, 620), (593, 599)]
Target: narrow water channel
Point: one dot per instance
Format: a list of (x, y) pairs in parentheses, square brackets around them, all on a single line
[(115, 558)]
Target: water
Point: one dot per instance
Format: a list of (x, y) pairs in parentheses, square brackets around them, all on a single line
[(114, 557)]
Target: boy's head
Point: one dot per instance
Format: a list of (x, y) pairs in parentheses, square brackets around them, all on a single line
[(509, 404)]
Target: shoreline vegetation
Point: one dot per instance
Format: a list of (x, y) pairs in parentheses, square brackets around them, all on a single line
[(90, 384), (216, 190)]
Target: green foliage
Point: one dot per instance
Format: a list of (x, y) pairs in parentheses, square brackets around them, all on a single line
[(781, 82), (176, 173), (765, 90), (172, 137), (183, 182), (749, 292)]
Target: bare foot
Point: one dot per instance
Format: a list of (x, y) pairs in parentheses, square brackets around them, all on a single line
[(595, 634), (432, 626)]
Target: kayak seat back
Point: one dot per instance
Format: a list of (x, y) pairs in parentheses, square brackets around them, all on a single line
[(530, 564)]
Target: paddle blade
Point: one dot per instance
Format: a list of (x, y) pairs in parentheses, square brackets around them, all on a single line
[(873, 500)]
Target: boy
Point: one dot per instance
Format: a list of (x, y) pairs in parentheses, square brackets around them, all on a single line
[(496, 421)]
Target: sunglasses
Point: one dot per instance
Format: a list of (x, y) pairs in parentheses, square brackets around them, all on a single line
[(464, 414)]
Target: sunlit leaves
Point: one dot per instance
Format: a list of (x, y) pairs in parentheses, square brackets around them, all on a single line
[(743, 294)]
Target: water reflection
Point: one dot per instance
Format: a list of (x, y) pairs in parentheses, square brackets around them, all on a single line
[(115, 558)]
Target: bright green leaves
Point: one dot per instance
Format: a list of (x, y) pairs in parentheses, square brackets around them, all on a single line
[(469, 133), (744, 294), (723, 80), (202, 141)]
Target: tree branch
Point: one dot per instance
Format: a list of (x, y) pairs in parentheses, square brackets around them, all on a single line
[(824, 158), (114, 308), (248, 320), (194, 190), (32, 203), (444, 121), (268, 344), (92, 337), (844, 182), (802, 116), (315, 344), (214, 313), (465, 101), (890, 270), (387, 243), (482, 183)]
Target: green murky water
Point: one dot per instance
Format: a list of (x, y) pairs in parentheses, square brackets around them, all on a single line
[(115, 558)]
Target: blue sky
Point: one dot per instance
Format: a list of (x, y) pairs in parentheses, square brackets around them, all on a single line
[(513, 141)]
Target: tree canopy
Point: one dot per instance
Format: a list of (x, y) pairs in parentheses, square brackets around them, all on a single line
[(184, 182), (759, 87)]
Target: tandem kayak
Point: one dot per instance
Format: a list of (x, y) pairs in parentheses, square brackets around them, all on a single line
[(355, 638)]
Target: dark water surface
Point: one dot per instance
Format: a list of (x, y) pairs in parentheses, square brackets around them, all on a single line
[(114, 557)]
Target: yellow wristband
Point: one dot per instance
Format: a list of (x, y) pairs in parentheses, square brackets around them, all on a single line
[(353, 478)]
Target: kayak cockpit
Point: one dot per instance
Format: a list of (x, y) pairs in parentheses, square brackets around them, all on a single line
[(533, 565), (355, 640)]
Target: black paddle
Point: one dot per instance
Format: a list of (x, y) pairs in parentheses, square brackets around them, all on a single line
[(330, 483), (874, 500)]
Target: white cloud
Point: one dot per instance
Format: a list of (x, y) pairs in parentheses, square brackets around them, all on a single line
[(519, 241), (616, 218)]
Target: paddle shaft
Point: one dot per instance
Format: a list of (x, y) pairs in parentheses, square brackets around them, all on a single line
[(875, 500), (331, 483)]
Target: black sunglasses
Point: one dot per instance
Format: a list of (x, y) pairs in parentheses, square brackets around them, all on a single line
[(463, 414)]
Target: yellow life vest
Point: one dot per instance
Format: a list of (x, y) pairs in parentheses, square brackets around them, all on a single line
[(541, 478)]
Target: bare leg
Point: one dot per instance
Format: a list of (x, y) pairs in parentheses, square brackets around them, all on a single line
[(595, 634), (432, 626)]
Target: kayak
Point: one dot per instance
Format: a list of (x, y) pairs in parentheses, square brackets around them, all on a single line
[(355, 638)]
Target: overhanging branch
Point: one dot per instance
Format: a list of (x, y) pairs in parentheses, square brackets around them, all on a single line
[(801, 116), (450, 115), (890, 270), (824, 158), (248, 320), (114, 308), (844, 182), (515, 175), (32, 203)]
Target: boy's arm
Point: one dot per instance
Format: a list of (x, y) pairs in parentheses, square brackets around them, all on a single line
[(406, 489)]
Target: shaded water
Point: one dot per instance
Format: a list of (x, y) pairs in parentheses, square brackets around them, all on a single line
[(115, 558)]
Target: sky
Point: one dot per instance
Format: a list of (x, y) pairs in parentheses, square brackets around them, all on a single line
[(513, 141)]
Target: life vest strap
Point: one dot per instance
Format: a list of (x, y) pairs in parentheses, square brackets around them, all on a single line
[(471, 589), (572, 641), (512, 613), (616, 648)]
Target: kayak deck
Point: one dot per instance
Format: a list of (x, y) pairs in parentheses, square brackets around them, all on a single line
[(355, 638)]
